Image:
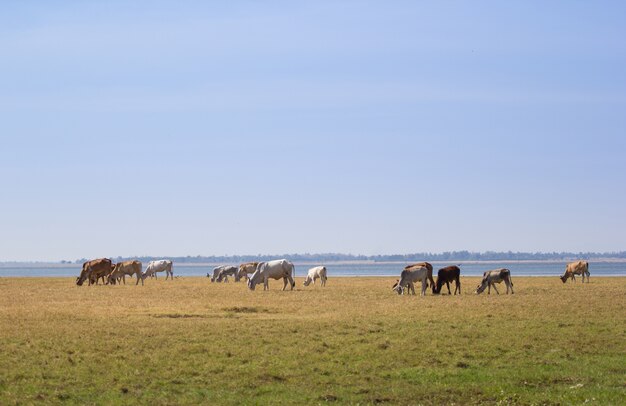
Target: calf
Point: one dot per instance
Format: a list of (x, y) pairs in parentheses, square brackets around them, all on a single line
[(315, 273), (490, 278), (447, 275), (576, 268)]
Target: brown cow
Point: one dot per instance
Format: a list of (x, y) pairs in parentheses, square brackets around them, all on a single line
[(447, 275), (576, 268), (121, 269), (245, 269), (94, 270)]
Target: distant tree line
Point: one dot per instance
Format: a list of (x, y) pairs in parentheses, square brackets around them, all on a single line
[(415, 257)]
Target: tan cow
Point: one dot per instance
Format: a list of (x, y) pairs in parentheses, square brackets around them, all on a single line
[(121, 269), (245, 269), (576, 268), (490, 278), (425, 265), (94, 270), (409, 276)]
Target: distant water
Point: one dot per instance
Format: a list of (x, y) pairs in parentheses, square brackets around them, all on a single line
[(526, 268)]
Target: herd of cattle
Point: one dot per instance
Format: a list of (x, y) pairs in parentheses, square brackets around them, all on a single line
[(256, 272)]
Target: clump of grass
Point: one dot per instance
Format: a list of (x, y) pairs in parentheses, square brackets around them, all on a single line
[(246, 309)]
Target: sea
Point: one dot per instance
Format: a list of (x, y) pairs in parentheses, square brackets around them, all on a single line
[(343, 269)]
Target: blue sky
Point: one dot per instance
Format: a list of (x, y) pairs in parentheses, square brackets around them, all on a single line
[(168, 128)]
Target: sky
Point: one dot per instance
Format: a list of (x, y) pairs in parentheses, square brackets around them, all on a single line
[(226, 128)]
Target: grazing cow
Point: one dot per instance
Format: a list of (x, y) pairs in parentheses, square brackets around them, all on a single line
[(121, 269), (447, 275), (427, 266), (93, 270), (576, 268), (410, 276), (159, 266), (247, 268), (395, 285), (220, 272), (490, 278), (315, 273), (280, 268), (227, 271)]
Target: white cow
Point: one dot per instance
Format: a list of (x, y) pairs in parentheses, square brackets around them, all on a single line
[(315, 273), (159, 266), (410, 276), (280, 268), (220, 273), (227, 271), (490, 278)]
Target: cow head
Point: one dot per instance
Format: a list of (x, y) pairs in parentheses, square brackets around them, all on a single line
[(397, 287), (83, 275), (437, 287), (307, 281), (563, 278), (481, 287), (256, 276)]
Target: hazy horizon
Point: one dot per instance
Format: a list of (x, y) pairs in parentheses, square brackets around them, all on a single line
[(217, 128), (461, 256)]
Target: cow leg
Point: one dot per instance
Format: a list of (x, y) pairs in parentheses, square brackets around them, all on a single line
[(495, 288), (292, 283), (285, 282), (458, 286), (412, 287), (448, 286), (424, 286)]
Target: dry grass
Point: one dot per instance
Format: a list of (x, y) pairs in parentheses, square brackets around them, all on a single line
[(189, 341)]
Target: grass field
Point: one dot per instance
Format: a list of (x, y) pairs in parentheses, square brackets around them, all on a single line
[(188, 341)]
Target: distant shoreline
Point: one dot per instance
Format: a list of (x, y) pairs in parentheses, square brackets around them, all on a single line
[(356, 262)]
